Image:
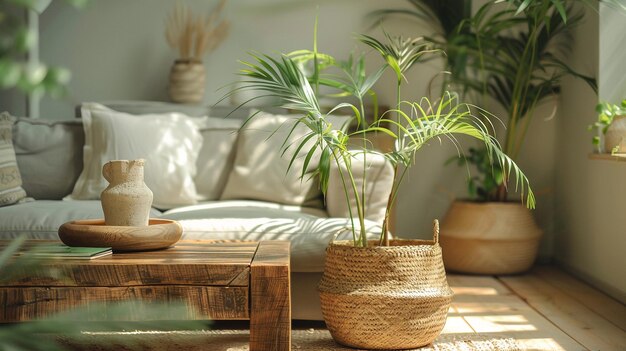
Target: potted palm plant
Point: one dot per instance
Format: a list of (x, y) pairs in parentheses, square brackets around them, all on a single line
[(386, 293), (511, 51)]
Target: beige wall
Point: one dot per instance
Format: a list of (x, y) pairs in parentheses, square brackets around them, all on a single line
[(612, 74), (116, 48), (591, 227)]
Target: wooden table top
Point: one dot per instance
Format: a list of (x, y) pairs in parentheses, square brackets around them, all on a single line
[(185, 251), (189, 262), (190, 251)]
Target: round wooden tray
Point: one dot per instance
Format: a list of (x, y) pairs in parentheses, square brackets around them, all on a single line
[(159, 234)]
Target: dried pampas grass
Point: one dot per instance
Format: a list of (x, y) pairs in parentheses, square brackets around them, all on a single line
[(193, 36)]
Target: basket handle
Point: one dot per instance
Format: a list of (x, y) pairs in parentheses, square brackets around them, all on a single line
[(436, 231), (337, 233)]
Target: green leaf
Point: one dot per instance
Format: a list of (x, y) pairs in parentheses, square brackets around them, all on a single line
[(324, 169), (523, 6), (558, 4), (371, 80), (10, 73), (471, 188)]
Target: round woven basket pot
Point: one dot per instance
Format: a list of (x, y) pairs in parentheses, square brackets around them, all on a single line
[(187, 81), (385, 297), (489, 238)]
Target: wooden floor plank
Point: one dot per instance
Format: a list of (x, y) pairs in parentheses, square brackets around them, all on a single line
[(476, 285), (507, 316), (595, 300), (455, 324), (575, 319)]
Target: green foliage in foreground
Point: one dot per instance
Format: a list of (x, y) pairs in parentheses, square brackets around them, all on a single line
[(43, 335), (16, 39)]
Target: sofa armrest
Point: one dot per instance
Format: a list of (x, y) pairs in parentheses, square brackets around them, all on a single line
[(379, 174)]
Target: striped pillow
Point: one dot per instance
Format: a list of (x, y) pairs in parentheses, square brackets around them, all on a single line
[(10, 180)]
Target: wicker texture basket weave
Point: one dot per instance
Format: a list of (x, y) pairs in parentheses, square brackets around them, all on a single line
[(385, 297), (187, 82), (489, 238)]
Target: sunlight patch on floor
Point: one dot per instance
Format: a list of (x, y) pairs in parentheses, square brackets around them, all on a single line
[(499, 323), (474, 290), (456, 325), (540, 344)]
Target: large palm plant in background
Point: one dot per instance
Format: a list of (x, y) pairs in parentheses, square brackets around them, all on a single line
[(511, 51)]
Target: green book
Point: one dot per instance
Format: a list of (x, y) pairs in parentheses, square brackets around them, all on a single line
[(61, 251)]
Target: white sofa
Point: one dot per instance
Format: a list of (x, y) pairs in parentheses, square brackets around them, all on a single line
[(50, 159)]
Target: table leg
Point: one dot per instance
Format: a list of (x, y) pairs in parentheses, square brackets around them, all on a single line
[(270, 294)]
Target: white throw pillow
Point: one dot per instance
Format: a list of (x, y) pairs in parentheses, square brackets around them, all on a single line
[(260, 169), (169, 143), (379, 181), (217, 155)]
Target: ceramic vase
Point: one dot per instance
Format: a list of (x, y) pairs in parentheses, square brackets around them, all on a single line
[(187, 81), (615, 137), (127, 200)]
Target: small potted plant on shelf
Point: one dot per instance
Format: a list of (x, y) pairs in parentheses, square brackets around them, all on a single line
[(386, 293), (511, 51), (611, 128), (193, 37)]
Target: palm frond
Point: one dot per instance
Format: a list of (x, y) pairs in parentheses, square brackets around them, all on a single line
[(284, 79), (446, 119), (400, 53)]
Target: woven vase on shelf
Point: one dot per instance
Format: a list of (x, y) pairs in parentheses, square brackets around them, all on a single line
[(187, 79), (489, 238), (615, 137), (385, 297)]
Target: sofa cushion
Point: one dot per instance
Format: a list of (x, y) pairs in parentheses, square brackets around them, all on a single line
[(216, 157), (11, 190), (41, 219), (169, 143), (379, 181), (261, 164), (49, 155), (308, 229)]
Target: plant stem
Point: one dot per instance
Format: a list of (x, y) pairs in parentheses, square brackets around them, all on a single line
[(391, 202), (384, 239), (523, 79), (362, 234), (521, 138), (385, 234), (363, 200), (345, 191), (398, 99)]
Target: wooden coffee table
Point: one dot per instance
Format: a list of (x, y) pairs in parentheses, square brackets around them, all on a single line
[(223, 280)]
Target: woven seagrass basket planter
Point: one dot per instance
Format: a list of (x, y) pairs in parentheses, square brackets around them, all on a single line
[(385, 297), (489, 238)]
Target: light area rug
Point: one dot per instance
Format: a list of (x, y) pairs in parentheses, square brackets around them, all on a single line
[(237, 340)]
